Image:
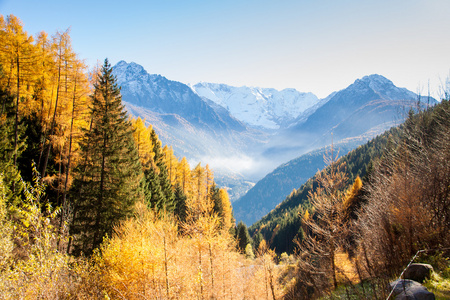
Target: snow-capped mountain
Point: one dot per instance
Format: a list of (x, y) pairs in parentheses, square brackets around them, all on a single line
[(261, 107), (164, 96), (195, 127)]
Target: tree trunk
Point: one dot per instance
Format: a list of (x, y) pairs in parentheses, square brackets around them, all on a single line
[(52, 128)]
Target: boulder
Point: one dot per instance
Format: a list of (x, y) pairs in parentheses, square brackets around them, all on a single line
[(406, 289), (416, 293), (418, 272), (401, 285)]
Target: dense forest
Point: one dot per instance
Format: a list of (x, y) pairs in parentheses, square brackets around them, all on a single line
[(93, 206)]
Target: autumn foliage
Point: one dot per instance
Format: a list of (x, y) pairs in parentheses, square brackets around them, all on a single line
[(92, 205)]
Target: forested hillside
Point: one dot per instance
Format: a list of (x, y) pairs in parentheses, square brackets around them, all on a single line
[(282, 225), (273, 188)]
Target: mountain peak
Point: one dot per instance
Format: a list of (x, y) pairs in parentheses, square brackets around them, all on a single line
[(132, 67), (377, 82), (376, 78), (382, 87)]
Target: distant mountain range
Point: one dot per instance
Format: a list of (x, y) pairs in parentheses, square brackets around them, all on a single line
[(244, 133)]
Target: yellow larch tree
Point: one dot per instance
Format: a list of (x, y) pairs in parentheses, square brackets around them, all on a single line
[(143, 142), (70, 156), (184, 176), (18, 62), (227, 215), (171, 163), (59, 111)]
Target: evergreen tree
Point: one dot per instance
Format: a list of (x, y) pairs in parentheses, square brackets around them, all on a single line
[(180, 209), (155, 197), (157, 177), (221, 206), (242, 236), (109, 179), (9, 171)]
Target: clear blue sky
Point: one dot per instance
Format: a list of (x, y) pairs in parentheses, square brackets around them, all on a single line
[(314, 46)]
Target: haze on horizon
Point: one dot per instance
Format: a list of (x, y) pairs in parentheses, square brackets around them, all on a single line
[(312, 46)]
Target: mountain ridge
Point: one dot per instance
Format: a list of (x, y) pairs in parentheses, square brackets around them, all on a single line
[(240, 152)]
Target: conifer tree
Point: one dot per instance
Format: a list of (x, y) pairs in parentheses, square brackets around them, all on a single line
[(162, 194), (180, 209), (242, 236), (109, 179), (9, 171)]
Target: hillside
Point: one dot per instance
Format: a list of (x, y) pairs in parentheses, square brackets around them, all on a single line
[(284, 217), (275, 186)]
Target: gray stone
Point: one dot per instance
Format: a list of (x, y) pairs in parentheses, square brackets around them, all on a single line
[(416, 293), (406, 289), (418, 272), (402, 285)]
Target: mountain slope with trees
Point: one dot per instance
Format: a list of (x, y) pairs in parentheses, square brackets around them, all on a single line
[(282, 224)]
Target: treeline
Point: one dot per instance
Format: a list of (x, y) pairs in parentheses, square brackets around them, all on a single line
[(91, 204)]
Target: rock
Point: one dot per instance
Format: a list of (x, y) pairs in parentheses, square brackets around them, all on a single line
[(418, 272), (402, 285), (411, 290), (416, 293)]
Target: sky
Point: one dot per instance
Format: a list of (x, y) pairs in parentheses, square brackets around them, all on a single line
[(317, 46)]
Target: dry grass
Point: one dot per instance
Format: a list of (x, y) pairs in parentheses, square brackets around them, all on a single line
[(346, 269)]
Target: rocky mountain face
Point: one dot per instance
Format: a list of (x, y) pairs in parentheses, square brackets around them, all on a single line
[(367, 107), (344, 103), (163, 96)]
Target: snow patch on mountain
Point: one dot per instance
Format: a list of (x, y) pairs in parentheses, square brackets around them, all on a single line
[(261, 107)]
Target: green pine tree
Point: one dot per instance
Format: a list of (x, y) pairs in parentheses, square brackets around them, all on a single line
[(162, 193), (108, 181), (154, 196), (242, 236), (180, 209), (8, 169)]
